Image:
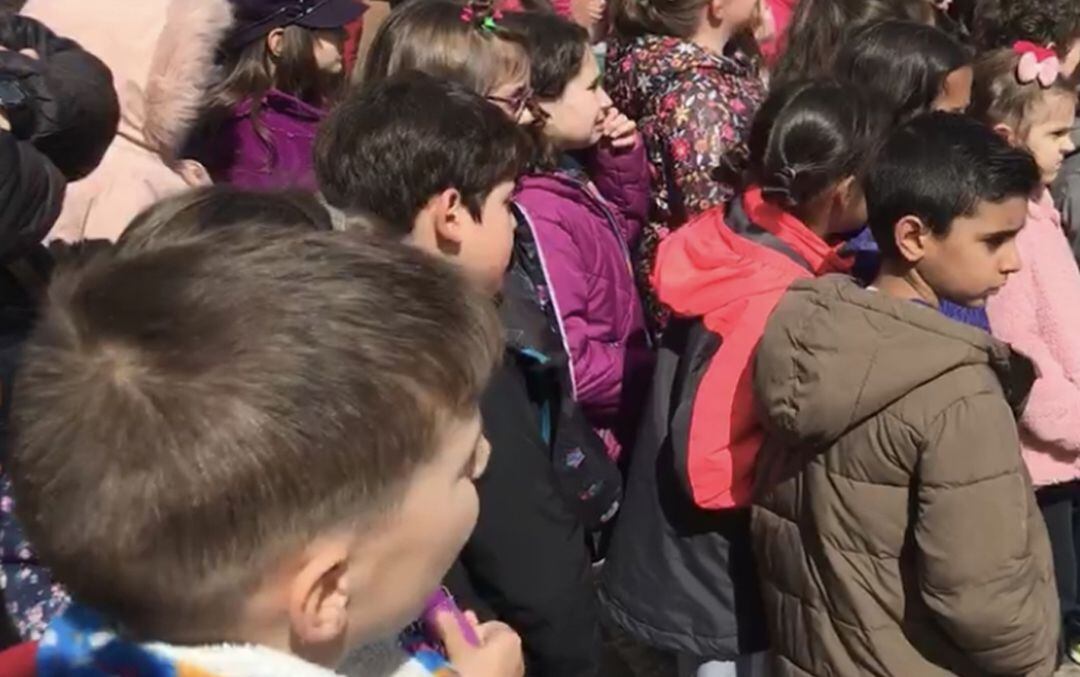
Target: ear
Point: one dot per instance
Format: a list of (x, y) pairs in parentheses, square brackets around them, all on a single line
[(1008, 133), (319, 594), (715, 11), (846, 191), (451, 217), (273, 41), (911, 235)]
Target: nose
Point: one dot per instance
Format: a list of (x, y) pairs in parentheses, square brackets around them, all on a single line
[(605, 100), (1069, 146), (1011, 261)]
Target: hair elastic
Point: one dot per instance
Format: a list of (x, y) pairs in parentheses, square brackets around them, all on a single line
[(482, 16), (1037, 64)]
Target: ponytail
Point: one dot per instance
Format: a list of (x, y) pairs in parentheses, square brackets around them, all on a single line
[(809, 136)]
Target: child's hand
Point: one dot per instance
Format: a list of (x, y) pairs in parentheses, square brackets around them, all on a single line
[(619, 130), (499, 653)]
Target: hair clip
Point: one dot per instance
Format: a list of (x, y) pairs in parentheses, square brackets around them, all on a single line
[(481, 16), (1036, 64), (787, 175)]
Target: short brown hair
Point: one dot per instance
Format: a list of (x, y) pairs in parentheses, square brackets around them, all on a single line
[(997, 95), (391, 146), (186, 414)]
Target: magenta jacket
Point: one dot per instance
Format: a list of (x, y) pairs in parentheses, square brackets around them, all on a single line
[(1037, 312), (239, 156), (586, 220)]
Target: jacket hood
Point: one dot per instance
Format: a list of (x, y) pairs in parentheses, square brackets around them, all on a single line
[(710, 268), (161, 53), (655, 62), (834, 354), (705, 268)]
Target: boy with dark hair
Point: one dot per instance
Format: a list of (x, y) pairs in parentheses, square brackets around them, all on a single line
[(228, 447), (896, 529), (436, 163)]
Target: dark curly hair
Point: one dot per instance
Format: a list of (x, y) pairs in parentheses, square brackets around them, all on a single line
[(1000, 23)]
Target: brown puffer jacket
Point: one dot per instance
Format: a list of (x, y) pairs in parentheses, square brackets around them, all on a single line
[(896, 530)]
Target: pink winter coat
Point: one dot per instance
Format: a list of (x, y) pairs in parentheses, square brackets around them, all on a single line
[(1039, 314), (585, 230), (161, 53)]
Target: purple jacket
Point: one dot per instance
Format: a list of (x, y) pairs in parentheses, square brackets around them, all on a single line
[(584, 232), (238, 155)]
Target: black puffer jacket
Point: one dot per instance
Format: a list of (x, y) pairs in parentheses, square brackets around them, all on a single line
[(548, 483)]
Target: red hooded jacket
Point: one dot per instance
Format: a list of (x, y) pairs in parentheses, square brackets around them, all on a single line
[(706, 269)]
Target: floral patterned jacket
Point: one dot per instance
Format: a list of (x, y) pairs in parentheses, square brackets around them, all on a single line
[(694, 110)]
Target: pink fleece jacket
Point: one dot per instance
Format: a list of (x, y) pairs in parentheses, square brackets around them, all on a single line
[(1037, 312)]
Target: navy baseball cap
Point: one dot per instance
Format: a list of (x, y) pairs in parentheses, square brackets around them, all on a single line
[(255, 18)]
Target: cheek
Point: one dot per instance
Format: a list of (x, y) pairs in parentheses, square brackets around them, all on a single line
[(462, 516)]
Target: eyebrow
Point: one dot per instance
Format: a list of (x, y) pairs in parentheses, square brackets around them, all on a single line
[(1011, 230)]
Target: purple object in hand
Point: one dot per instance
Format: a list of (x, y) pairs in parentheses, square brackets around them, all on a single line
[(443, 601)]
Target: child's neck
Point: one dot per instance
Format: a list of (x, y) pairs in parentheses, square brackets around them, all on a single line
[(713, 38), (817, 221), (904, 283)]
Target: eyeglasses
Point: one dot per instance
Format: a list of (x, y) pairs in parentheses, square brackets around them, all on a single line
[(515, 104)]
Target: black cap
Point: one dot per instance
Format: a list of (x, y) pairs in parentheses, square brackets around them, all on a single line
[(256, 18)]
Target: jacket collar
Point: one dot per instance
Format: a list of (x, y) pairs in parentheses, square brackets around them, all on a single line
[(819, 254), (80, 642), (1041, 208)]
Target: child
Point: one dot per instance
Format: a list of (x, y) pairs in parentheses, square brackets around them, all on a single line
[(161, 54), (475, 48), (1036, 311), (819, 28), (464, 44), (193, 401), (587, 200), (60, 133), (283, 60), (688, 524), (896, 532), (674, 68), (999, 24), (436, 164), (913, 68), (31, 596)]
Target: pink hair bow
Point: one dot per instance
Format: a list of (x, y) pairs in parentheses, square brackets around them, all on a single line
[(1036, 64)]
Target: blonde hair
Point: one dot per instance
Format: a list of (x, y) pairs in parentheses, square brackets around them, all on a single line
[(432, 37)]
